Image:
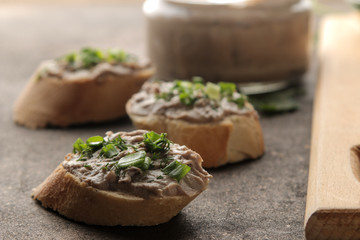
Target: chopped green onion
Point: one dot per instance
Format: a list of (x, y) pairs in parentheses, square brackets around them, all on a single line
[(198, 79), (176, 170), (170, 167), (95, 142), (186, 99), (109, 151), (227, 89), (240, 101), (90, 57), (147, 163), (136, 159), (71, 58), (213, 91), (116, 55), (156, 143), (119, 142), (87, 166), (183, 84), (159, 177), (165, 95), (78, 146)]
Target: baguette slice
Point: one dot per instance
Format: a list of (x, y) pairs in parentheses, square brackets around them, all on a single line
[(234, 138), (82, 190), (64, 193), (63, 102)]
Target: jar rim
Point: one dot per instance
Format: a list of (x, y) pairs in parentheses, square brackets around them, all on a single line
[(234, 3)]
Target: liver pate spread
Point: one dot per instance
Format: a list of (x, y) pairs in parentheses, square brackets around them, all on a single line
[(91, 63), (165, 98), (106, 172)]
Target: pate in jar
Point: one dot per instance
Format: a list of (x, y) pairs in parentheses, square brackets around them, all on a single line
[(260, 44)]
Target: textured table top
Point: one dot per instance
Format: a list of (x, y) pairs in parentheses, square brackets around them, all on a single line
[(261, 199)]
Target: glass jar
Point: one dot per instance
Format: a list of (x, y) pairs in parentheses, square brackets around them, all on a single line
[(260, 44)]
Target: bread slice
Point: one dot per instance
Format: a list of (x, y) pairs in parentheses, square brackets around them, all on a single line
[(214, 120), (87, 189), (235, 138), (63, 102), (64, 193)]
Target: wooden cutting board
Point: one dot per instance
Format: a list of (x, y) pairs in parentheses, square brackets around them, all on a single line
[(333, 199)]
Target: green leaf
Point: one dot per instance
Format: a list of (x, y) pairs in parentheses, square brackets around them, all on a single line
[(136, 159)]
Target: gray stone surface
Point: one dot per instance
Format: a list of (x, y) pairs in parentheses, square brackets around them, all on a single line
[(261, 199)]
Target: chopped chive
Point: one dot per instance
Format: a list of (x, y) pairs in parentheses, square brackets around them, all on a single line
[(198, 79), (176, 170), (79, 146), (213, 91), (179, 172), (136, 159), (170, 167), (120, 143), (147, 163), (227, 89), (87, 166), (240, 101), (95, 142), (156, 143), (109, 151), (187, 99), (159, 177)]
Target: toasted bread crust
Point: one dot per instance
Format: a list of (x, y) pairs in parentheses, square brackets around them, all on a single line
[(64, 193), (61, 102), (233, 139)]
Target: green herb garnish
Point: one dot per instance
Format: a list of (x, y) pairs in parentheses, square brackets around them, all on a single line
[(147, 163), (87, 58), (119, 142), (227, 89), (136, 159), (198, 80), (91, 57), (79, 146), (190, 92), (176, 170), (109, 151), (87, 166), (187, 99), (156, 143), (212, 90), (95, 142)]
